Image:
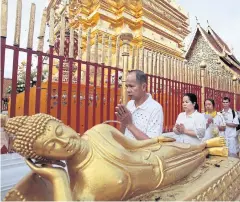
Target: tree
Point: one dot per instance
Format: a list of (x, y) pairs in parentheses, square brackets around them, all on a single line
[(21, 78)]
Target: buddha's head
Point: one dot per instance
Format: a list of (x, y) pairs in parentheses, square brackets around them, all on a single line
[(42, 136)]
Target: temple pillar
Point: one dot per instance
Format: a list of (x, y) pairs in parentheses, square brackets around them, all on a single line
[(126, 36)]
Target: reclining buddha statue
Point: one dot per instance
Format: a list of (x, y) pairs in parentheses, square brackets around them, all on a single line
[(102, 164)]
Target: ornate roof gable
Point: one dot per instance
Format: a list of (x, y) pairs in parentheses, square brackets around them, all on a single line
[(217, 45)]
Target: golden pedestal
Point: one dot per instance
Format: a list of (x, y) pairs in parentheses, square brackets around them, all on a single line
[(217, 179)]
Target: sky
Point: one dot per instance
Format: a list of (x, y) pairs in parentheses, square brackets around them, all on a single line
[(26, 7), (223, 17)]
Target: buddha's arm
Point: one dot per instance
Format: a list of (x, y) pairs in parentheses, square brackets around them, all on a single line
[(61, 189), (132, 144), (58, 178), (31, 188), (138, 134)]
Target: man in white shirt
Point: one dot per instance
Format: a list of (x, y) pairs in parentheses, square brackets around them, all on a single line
[(231, 124), (142, 118)]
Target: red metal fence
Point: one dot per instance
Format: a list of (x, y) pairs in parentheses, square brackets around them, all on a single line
[(217, 96), (169, 94), (83, 104), (238, 102)]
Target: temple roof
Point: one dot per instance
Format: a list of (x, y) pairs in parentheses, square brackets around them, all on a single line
[(217, 45)]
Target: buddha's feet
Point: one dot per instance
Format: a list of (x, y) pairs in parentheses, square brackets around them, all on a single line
[(218, 151), (216, 142)]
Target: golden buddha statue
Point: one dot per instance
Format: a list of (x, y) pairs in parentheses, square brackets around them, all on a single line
[(102, 164)]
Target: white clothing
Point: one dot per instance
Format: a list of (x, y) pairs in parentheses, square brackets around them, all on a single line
[(148, 117), (195, 122), (231, 133), (218, 120)]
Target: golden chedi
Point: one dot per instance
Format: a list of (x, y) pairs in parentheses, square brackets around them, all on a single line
[(102, 164)]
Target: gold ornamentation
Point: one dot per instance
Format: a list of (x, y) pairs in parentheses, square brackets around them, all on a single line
[(226, 189)]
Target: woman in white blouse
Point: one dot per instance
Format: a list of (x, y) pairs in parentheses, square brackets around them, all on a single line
[(215, 122), (190, 125)]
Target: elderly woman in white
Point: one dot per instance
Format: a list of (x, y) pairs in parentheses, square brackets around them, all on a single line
[(190, 125)]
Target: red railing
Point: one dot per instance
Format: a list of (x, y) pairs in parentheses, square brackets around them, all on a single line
[(90, 101), (81, 104), (238, 102), (85, 103), (217, 96), (169, 94)]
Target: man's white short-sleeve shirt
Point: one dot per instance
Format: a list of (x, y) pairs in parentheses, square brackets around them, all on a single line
[(231, 133), (228, 116), (148, 117)]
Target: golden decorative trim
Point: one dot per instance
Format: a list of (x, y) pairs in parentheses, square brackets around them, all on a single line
[(225, 189)]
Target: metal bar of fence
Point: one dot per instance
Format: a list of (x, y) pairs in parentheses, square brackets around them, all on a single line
[(167, 103), (59, 100), (162, 91), (102, 93), (78, 101), (27, 82), (49, 91), (38, 84), (164, 101), (86, 97), (14, 81), (94, 94), (151, 91), (175, 103), (179, 98), (3, 49), (108, 92), (200, 97), (171, 92), (115, 94), (155, 87), (69, 93)]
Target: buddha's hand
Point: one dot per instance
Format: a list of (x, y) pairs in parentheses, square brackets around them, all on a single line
[(50, 173), (165, 139)]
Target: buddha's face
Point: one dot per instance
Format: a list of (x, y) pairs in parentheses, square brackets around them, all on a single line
[(58, 142)]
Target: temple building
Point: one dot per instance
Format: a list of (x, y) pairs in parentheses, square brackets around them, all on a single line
[(155, 25), (222, 67)]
